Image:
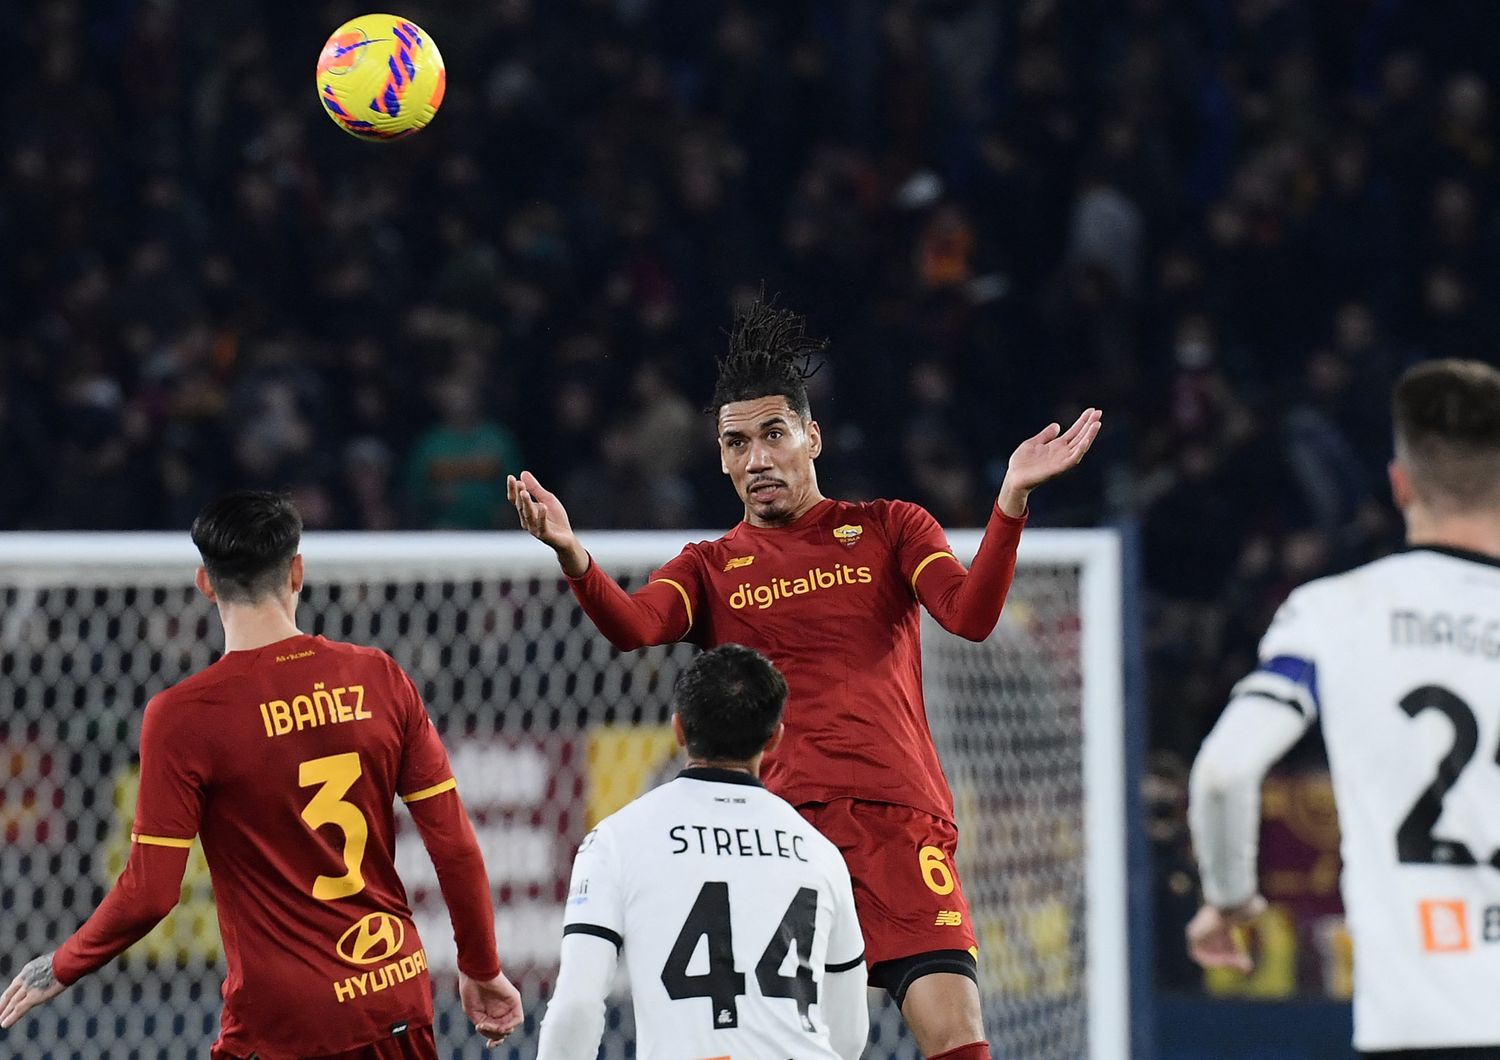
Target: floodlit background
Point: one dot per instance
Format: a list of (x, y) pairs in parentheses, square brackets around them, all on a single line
[(1229, 223)]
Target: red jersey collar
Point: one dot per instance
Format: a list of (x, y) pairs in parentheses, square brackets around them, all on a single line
[(279, 646), (809, 518)]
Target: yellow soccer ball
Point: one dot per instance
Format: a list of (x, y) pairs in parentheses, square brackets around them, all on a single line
[(381, 77)]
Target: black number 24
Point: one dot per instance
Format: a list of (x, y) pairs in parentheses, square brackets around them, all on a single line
[(1415, 843), (723, 984)]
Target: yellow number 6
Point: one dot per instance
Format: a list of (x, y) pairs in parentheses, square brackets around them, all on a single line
[(336, 774), (935, 871)]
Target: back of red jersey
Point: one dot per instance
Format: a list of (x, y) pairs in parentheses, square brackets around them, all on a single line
[(287, 760)]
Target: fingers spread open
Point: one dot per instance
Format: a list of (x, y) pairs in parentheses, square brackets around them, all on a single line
[(533, 486)]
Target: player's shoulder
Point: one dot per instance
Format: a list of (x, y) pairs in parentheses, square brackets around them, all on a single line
[(882, 510), (347, 653), (620, 828), (709, 552), (1362, 585), (190, 689), (347, 648)]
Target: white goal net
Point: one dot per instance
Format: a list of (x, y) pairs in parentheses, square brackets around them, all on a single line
[(549, 729)]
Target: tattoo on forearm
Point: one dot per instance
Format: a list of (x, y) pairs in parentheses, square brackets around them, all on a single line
[(37, 975)]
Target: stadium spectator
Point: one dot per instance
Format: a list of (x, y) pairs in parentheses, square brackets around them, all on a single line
[(456, 470)]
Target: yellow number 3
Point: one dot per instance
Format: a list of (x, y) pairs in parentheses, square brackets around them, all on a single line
[(935, 871), (336, 774)]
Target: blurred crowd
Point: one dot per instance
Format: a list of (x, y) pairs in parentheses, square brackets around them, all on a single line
[(1229, 223)]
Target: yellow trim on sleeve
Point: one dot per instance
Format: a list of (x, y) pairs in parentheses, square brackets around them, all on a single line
[(686, 602), (427, 793), (160, 841), (923, 566)]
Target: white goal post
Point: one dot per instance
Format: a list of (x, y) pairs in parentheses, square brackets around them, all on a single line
[(549, 728)]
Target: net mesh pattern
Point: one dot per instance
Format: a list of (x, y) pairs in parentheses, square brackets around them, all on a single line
[(549, 729)]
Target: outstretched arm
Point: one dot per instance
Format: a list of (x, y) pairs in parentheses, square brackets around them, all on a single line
[(167, 813), (658, 613), (143, 895), (968, 603)]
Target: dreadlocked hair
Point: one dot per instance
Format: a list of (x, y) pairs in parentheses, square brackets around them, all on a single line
[(769, 354)]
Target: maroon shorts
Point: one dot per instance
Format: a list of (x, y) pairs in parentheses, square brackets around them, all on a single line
[(906, 885), (416, 1044)]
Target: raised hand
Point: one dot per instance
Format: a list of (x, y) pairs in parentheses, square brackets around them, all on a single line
[(1213, 941), (494, 1007), (34, 985), (544, 518), (1043, 457)]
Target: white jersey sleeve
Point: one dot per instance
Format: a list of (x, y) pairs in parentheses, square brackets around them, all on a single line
[(1287, 671), (596, 904), (593, 932), (845, 1006), (1224, 793), (573, 1024), (1268, 712)]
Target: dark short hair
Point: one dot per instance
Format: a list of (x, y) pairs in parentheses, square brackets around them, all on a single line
[(769, 354), (730, 701), (1447, 416), (247, 540)]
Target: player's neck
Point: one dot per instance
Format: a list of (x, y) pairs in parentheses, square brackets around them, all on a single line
[(251, 626), (1478, 532), (750, 768)]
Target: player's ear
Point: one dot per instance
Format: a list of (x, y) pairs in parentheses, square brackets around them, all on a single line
[(205, 586), (1401, 491), (814, 439), (776, 735), (677, 730), (297, 573)]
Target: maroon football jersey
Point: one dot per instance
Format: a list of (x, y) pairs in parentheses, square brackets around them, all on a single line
[(831, 600), (286, 760)]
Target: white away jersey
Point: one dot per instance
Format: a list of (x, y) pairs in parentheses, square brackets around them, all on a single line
[(1401, 659), (729, 908)]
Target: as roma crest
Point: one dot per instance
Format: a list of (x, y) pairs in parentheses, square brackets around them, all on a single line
[(848, 535)]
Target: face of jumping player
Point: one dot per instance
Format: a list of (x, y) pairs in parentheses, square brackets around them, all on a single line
[(767, 450)]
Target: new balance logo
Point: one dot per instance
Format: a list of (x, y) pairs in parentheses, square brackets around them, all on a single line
[(739, 561), (949, 918)]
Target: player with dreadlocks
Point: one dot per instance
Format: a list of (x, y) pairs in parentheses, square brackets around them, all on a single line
[(829, 590)]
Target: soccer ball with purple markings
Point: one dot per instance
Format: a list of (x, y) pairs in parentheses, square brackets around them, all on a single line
[(381, 77)]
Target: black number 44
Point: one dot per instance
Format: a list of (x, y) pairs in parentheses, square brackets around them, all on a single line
[(1415, 843), (723, 984)]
